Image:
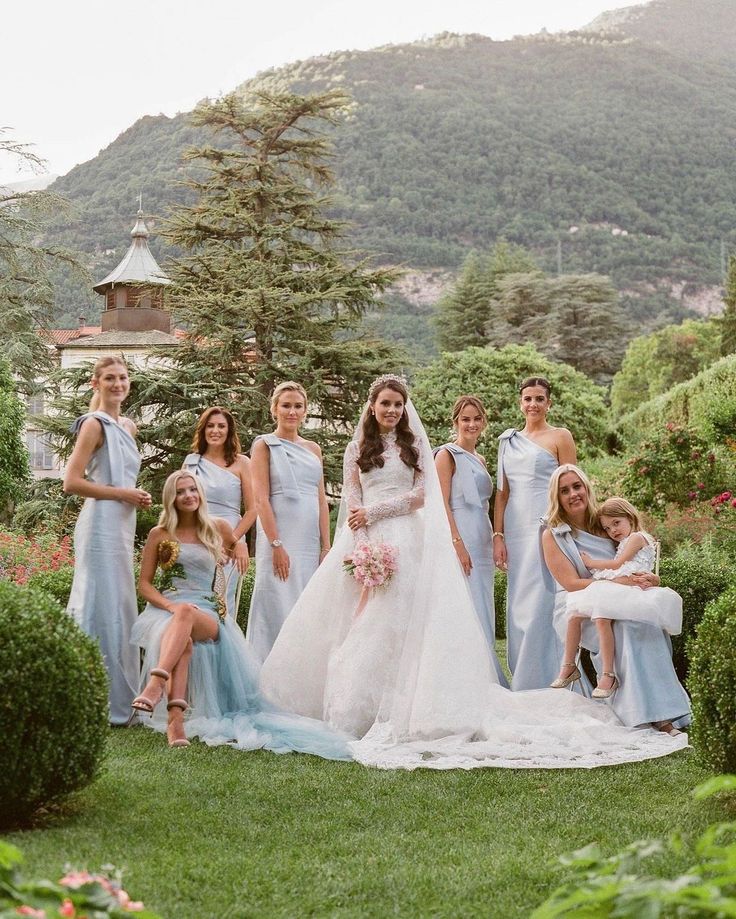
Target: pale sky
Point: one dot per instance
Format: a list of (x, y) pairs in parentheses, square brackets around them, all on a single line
[(76, 74)]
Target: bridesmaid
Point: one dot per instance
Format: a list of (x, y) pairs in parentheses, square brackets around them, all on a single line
[(526, 461), (224, 474), (466, 489), (293, 530), (103, 599)]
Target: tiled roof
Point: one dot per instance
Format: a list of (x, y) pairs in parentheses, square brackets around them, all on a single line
[(120, 339), (62, 336)]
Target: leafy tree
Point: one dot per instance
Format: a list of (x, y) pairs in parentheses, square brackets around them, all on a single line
[(14, 470), (654, 363), (494, 376), (463, 312), (26, 290), (263, 288), (570, 318), (728, 320)]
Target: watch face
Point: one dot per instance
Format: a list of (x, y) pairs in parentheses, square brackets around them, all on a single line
[(276, 543)]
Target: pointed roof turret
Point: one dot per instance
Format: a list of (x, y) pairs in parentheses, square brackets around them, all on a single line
[(138, 265)]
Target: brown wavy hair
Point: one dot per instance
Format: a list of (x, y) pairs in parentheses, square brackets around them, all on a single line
[(371, 445), (232, 442)]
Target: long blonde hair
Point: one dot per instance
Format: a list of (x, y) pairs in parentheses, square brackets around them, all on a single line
[(207, 532), (555, 515), (100, 364), (620, 507)]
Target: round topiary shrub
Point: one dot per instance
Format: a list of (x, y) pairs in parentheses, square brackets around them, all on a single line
[(700, 575), (53, 703), (713, 684)]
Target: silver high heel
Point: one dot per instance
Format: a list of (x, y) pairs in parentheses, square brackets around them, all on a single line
[(599, 693), (563, 681)]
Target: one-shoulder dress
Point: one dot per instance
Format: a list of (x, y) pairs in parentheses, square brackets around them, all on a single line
[(103, 598), (224, 499), (470, 495), (295, 476), (226, 706), (534, 648)]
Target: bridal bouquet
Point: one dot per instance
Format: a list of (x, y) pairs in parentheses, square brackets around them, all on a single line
[(372, 566)]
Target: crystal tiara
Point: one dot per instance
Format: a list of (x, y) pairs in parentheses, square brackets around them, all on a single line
[(383, 380)]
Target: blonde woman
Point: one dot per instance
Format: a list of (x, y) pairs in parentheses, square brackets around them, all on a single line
[(293, 530), (103, 469), (195, 654)]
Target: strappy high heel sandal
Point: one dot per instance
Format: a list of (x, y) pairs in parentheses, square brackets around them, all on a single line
[(146, 704), (599, 693), (563, 681), (182, 704)]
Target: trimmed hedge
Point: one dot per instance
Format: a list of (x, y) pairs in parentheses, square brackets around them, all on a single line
[(713, 684), (53, 703)]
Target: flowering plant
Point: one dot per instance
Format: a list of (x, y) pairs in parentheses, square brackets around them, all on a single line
[(372, 565), (77, 895), (168, 562), (22, 557)]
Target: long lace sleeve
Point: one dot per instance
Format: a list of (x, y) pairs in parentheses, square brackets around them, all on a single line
[(400, 504), (351, 487)]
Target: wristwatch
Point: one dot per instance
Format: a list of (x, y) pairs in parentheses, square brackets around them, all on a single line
[(276, 543)]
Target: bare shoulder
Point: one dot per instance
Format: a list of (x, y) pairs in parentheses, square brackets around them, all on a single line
[(562, 435), (311, 446), (129, 425), (158, 534), (242, 460), (259, 449), (444, 460)]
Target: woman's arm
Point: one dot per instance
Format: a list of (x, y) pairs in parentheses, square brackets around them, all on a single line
[(149, 562), (260, 469), (500, 557), (91, 437), (249, 503), (635, 542), (566, 452), (560, 566), (324, 508), (445, 463)]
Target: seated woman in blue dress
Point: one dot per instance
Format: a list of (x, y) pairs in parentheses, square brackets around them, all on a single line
[(196, 657), (649, 691)]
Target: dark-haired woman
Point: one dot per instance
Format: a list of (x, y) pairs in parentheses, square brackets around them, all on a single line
[(466, 489), (224, 474), (526, 461)]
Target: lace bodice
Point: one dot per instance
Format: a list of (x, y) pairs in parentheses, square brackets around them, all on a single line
[(389, 491), (642, 561)]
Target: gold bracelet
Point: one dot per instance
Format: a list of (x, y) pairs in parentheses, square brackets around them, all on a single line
[(499, 533), (457, 539)]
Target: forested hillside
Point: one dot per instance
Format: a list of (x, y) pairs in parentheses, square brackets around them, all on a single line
[(611, 150)]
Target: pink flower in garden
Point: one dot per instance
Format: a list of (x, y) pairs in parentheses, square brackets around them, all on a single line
[(701, 485), (733, 503), (711, 457), (76, 879), (67, 909), (692, 495), (30, 911), (696, 454)]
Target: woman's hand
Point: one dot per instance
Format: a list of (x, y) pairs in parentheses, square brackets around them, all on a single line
[(136, 496), (184, 608), (645, 579), (323, 554), (464, 557), (240, 557), (586, 560), (281, 562), (357, 518), (500, 557)]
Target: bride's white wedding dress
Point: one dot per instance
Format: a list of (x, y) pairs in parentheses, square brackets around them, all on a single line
[(411, 676)]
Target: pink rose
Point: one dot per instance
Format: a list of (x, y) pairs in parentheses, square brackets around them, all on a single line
[(67, 909)]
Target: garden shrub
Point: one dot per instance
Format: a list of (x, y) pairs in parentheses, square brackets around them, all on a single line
[(700, 574), (246, 592), (53, 703), (494, 376), (713, 684), (499, 602), (58, 584)]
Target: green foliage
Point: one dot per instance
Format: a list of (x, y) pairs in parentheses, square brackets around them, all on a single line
[(46, 507), (57, 584), (499, 602), (654, 363), (699, 574), (464, 311), (600, 886), (675, 466), (713, 684), (494, 376), (53, 708), (706, 405), (263, 287), (570, 318), (14, 470), (728, 319), (76, 894)]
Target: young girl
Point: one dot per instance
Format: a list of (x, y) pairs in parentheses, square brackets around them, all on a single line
[(606, 599), (196, 654)]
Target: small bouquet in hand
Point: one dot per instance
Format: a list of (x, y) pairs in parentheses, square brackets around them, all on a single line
[(372, 566)]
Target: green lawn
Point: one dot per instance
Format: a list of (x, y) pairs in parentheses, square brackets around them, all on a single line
[(207, 832)]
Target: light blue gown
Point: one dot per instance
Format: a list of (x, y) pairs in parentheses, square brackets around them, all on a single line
[(470, 494), (295, 476), (534, 649), (649, 690), (226, 706), (103, 599), (224, 499)]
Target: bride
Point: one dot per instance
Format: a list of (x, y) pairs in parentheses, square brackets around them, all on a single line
[(404, 666)]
